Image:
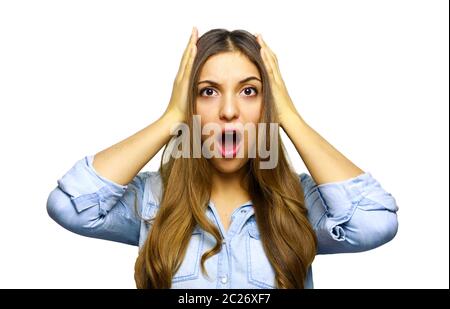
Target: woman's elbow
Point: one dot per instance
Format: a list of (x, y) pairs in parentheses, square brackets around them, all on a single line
[(58, 208), (389, 228), (61, 210), (381, 229)]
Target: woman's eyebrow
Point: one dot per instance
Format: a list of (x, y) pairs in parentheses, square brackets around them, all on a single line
[(240, 82)]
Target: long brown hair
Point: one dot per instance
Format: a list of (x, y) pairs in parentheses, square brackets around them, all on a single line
[(287, 236)]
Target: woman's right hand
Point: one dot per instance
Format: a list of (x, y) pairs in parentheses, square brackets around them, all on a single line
[(180, 92)]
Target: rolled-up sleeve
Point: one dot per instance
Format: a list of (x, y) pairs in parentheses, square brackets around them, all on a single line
[(352, 215), (89, 204)]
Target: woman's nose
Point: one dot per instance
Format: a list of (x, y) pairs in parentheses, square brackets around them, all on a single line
[(229, 109)]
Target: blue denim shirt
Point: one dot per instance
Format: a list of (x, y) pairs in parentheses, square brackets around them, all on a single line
[(348, 216)]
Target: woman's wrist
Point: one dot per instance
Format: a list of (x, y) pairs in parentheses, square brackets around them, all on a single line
[(289, 119), (172, 117)]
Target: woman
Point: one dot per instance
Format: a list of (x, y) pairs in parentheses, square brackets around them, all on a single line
[(224, 221)]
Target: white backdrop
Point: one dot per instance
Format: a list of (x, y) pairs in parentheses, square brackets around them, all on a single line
[(78, 76)]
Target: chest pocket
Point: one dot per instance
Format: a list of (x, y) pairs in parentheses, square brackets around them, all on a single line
[(260, 271), (190, 267), (147, 217)]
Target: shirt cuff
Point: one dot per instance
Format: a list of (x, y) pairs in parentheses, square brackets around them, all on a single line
[(340, 198), (87, 188)]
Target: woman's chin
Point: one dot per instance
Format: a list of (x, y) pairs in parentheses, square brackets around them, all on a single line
[(228, 165)]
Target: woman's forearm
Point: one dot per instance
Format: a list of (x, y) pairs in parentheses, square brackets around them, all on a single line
[(324, 162), (121, 162)]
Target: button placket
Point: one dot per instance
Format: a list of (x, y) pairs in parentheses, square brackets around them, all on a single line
[(226, 265), (224, 279)]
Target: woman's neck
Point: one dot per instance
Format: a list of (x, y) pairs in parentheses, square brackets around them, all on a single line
[(226, 189)]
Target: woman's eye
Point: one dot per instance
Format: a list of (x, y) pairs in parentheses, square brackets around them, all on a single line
[(248, 92), (207, 91)]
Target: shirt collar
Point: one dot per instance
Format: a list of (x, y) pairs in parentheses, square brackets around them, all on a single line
[(246, 207)]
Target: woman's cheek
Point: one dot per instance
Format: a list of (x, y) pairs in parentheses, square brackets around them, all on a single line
[(249, 143)]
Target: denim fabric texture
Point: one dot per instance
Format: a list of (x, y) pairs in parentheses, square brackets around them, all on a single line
[(348, 216)]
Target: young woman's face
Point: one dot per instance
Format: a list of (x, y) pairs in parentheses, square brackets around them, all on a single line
[(232, 95)]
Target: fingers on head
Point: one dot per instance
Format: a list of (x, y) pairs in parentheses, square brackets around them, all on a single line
[(189, 53), (188, 61), (267, 61)]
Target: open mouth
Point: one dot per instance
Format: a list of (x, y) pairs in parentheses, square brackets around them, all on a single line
[(229, 142)]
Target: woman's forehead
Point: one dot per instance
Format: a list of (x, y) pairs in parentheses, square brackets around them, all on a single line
[(230, 66)]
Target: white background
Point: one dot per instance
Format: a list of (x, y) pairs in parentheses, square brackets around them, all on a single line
[(78, 76)]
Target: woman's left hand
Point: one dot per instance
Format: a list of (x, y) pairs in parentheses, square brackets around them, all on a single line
[(283, 102)]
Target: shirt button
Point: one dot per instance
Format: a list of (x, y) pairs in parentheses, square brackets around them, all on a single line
[(224, 279), (243, 211)]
